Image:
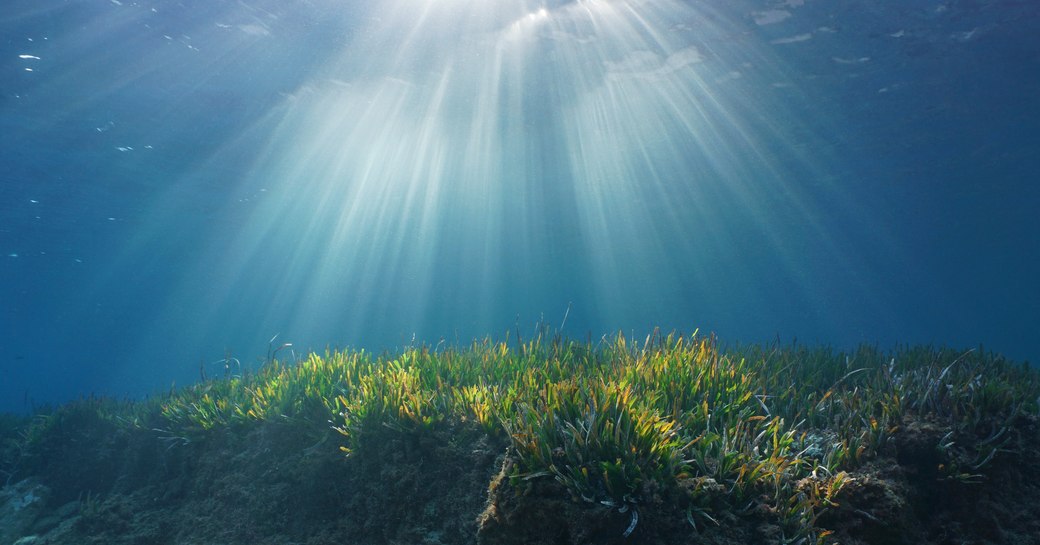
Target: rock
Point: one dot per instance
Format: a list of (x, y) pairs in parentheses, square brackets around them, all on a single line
[(20, 505)]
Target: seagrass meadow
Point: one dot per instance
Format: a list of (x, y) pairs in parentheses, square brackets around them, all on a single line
[(672, 438)]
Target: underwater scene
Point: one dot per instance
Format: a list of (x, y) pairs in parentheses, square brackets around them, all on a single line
[(552, 272)]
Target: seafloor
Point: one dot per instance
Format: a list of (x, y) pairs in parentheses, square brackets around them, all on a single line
[(270, 487), (91, 478)]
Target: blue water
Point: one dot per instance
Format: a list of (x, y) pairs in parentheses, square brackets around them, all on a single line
[(180, 182)]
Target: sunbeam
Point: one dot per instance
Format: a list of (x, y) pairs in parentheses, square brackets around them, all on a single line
[(425, 170)]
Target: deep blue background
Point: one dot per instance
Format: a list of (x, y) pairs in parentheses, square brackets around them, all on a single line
[(860, 172)]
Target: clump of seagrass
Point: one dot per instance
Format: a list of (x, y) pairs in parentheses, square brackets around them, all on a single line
[(773, 429)]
